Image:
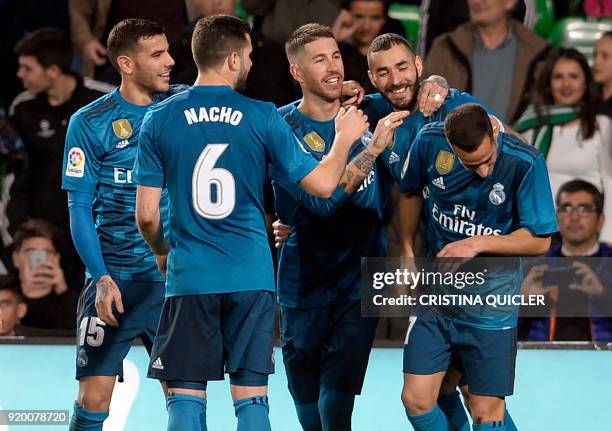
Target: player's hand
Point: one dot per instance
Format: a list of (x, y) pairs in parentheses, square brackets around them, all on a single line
[(590, 283), (352, 93), (107, 294), (457, 253), (281, 233), (94, 52), (162, 263), (351, 123), (385, 131), (344, 25), (431, 95), (532, 284)]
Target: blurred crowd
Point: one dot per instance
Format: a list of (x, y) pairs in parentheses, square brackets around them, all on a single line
[(554, 90)]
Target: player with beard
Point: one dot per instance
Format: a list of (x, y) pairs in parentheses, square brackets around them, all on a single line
[(124, 291), (211, 146), (395, 71), (325, 341)]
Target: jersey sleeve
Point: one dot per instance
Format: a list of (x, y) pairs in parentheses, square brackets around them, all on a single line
[(83, 154), (413, 176), (148, 166), (285, 151), (535, 203), (319, 206)]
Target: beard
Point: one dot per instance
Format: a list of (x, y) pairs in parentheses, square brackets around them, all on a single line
[(407, 105)]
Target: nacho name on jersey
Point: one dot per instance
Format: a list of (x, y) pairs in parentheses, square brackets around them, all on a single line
[(213, 114)]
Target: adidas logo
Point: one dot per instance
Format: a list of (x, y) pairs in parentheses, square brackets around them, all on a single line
[(157, 364), (439, 182), (393, 158), (122, 144)]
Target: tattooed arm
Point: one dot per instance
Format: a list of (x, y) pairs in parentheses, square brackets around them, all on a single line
[(360, 166)]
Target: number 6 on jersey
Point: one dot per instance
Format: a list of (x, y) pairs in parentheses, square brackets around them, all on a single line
[(205, 176)]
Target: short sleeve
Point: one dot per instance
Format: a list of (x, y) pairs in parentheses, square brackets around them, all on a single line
[(83, 154), (413, 176), (535, 202), (148, 166), (286, 152)]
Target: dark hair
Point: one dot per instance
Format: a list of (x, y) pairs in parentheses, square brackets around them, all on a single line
[(304, 35), (386, 4), (386, 41), (216, 37), (50, 46), (574, 186), (126, 34), (35, 228), (11, 283), (588, 106), (467, 125), (606, 34)]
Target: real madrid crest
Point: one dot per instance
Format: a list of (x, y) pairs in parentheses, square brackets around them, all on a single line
[(497, 196), (122, 128), (315, 142), (445, 162)]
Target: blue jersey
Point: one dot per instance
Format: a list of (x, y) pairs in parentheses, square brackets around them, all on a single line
[(375, 106), (458, 203), (99, 154), (320, 263), (210, 146)]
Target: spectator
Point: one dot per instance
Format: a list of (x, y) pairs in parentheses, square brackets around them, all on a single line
[(580, 218), (441, 16), (185, 70), (40, 115), (12, 306), (12, 156), (355, 28), (602, 72), (92, 20), (492, 56), (564, 126), (50, 303)]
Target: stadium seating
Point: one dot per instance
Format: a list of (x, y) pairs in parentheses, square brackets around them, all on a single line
[(577, 32), (409, 16)]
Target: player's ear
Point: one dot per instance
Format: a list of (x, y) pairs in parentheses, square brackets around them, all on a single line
[(233, 62), (296, 73), (419, 65), (600, 222), (125, 64), (371, 76), (16, 260)]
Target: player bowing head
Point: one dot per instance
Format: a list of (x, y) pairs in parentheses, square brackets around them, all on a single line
[(138, 49), (476, 146), (315, 60), (223, 44), (395, 70)]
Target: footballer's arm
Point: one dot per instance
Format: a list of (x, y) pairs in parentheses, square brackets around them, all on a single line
[(521, 242), (148, 219), (409, 207)]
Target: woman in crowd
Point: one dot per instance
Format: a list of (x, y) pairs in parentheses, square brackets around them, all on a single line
[(564, 126), (602, 72)]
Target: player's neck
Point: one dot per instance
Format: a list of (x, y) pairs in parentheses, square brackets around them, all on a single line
[(494, 35), (61, 90), (317, 108), (213, 77), (580, 249), (135, 94)]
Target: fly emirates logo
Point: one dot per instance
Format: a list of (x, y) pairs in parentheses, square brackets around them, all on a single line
[(462, 221)]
